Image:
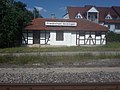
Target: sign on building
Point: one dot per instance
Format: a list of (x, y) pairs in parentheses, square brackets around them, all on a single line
[(47, 23)]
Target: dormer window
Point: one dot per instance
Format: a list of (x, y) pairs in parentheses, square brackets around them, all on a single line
[(78, 16), (93, 15), (108, 16)]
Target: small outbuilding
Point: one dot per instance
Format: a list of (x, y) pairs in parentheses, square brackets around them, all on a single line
[(68, 32)]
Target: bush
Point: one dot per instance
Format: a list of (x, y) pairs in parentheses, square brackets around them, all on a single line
[(113, 37)]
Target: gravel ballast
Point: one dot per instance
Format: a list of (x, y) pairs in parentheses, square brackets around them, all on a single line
[(59, 75)]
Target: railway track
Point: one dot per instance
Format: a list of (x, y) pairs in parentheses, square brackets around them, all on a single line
[(92, 86)]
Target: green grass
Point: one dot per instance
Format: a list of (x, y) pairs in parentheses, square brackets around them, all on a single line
[(115, 46), (9, 59)]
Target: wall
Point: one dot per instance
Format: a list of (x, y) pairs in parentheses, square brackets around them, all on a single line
[(44, 37), (117, 31), (90, 38), (27, 38), (69, 38), (112, 28)]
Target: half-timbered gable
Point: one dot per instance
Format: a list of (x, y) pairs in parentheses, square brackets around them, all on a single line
[(68, 32)]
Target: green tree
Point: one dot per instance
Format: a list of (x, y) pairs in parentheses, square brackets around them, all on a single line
[(13, 17), (24, 17), (36, 13), (8, 23)]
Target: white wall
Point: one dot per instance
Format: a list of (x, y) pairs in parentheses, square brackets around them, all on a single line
[(73, 38), (97, 40), (117, 31), (112, 28), (29, 38), (42, 38), (69, 38)]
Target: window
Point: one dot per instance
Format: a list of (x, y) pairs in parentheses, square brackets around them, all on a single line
[(117, 26), (92, 17), (108, 17), (59, 35), (78, 16)]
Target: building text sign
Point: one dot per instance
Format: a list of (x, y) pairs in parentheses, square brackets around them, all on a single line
[(48, 23)]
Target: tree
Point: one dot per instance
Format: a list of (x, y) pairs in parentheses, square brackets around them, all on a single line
[(36, 13), (24, 17), (13, 17), (8, 23)]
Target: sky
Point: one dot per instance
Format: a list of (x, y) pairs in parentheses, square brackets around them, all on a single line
[(58, 7)]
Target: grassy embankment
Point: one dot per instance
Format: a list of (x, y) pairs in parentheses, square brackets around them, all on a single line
[(109, 47), (9, 59)]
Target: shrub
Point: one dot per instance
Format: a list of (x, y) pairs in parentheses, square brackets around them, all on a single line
[(113, 37)]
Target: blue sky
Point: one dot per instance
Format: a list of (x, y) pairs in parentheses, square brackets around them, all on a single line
[(58, 7)]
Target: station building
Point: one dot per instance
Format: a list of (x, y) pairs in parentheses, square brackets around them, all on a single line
[(66, 32), (106, 16)]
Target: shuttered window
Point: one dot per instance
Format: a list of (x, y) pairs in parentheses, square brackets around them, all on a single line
[(59, 36)]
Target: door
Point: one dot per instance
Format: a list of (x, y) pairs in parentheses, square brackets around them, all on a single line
[(36, 37)]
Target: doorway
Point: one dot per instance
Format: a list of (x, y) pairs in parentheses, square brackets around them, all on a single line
[(36, 37)]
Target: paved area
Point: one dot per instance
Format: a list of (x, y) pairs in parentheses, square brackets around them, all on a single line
[(59, 75)]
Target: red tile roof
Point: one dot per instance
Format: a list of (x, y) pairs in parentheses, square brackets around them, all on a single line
[(73, 11), (112, 21), (83, 25), (117, 9), (103, 11)]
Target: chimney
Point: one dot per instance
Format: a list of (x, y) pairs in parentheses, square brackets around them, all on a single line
[(53, 15)]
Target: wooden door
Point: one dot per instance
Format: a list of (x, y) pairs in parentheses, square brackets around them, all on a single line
[(36, 37)]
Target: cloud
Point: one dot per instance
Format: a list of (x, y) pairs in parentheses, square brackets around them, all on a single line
[(40, 9)]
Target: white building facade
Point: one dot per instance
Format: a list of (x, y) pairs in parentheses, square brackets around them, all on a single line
[(64, 32), (69, 38)]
